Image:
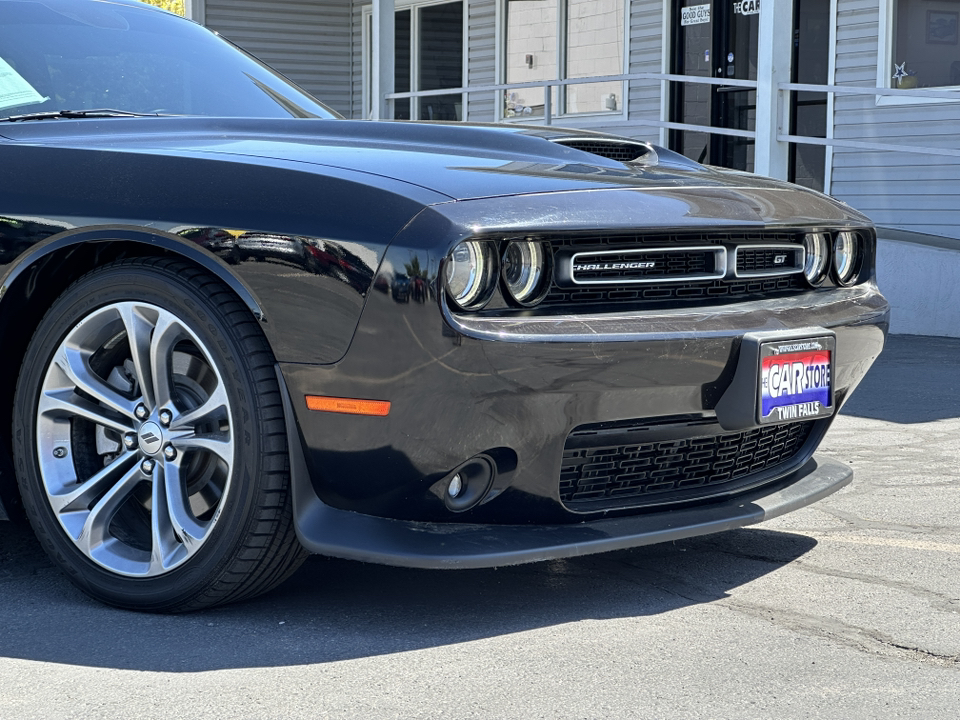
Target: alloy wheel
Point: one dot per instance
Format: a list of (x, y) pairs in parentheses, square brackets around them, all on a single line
[(134, 439)]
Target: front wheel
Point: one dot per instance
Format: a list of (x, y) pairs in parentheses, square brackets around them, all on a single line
[(150, 444)]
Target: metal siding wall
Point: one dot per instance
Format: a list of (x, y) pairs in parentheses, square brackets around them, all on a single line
[(919, 193), (646, 55), (482, 52), (306, 40), (356, 51)]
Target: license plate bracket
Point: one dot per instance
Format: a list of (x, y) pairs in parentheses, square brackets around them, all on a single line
[(741, 404), (795, 379)]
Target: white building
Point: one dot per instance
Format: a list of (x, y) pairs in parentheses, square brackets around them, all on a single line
[(879, 130)]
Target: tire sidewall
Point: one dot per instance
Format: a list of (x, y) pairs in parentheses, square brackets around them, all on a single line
[(164, 289)]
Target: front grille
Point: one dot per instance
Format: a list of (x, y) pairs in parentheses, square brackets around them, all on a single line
[(602, 289), (602, 469), (612, 149)]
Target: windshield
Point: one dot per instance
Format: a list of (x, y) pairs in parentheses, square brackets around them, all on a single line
[(71, 55)]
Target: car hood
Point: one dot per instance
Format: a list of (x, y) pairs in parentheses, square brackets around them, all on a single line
[(457, 161)]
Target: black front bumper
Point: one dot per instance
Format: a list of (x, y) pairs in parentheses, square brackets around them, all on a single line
[(367, 488), (356, 536)]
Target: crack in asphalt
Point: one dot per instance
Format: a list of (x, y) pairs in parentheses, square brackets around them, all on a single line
[(931, 596), (938, 601), (871, 642), (864, 524)]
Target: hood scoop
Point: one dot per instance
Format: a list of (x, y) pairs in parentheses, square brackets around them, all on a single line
[(632, 152)]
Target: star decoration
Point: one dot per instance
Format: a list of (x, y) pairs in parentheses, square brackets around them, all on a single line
[(900, 72)]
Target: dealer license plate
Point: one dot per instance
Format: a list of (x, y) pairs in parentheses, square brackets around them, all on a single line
[(796, 380)]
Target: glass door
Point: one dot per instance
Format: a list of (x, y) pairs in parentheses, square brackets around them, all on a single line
[(718, 39), (440, 60), (811, 57), (428, 42)]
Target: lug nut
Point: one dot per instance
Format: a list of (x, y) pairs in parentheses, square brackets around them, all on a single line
[(170, 452), (166, 417), (146, 467), (60, 453), (141, 412), (129, 441)]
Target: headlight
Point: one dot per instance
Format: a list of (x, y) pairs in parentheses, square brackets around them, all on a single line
[(817, 251), (846, 256), (471, 274), (527, 271)]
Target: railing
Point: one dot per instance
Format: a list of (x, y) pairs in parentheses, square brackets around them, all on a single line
[(784, 88), (548, 115), (783, 91)]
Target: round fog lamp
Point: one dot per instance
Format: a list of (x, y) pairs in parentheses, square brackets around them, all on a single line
[(456, 485), (526, 270), (846, 255), (471, 274), (816, 252)]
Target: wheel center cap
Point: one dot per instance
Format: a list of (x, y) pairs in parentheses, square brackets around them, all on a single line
[(150, 438)]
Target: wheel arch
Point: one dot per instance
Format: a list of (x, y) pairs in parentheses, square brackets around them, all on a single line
[(40, 275)]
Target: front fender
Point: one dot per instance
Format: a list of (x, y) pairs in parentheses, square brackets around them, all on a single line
[(149, 238)]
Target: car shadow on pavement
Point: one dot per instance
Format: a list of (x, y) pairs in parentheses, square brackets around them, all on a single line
[(916, 379), (333, 610)]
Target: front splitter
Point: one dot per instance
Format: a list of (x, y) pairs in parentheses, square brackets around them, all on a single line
[(340, 533)]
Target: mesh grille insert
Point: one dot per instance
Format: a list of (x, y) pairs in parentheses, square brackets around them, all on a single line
[(620, 151), (595, 475), (742, 288), (760, 260), (666, 263)]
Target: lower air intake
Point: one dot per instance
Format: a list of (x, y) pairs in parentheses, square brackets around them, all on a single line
[(602, 469)]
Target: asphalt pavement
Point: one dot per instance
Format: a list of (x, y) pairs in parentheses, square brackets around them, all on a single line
[(847, 609)]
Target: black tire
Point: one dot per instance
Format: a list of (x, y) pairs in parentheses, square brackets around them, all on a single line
[(250, 545)]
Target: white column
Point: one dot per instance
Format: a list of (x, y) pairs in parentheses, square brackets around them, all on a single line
[(196, 10), (773, 68), (383, 58)]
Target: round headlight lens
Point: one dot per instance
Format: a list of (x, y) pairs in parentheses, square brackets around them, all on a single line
[(817, 251), (846, 256), (471, 271), (526, 270)]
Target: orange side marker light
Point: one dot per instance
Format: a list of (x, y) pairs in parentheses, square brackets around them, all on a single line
[(350, 406)]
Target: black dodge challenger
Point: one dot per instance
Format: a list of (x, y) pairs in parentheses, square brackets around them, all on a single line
[(237, 328)]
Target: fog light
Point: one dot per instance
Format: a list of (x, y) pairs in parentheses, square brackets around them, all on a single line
[(466, 486)]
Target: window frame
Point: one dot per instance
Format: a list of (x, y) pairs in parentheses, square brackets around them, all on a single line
[(885, 61), (622, 114), (366, 43)]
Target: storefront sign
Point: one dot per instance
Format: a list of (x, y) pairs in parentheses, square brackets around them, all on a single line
[(696, 14), (747, 7)]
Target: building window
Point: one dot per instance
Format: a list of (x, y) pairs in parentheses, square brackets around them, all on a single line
[(925, 49), (439, 52), (428, 42), (564, 39)]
